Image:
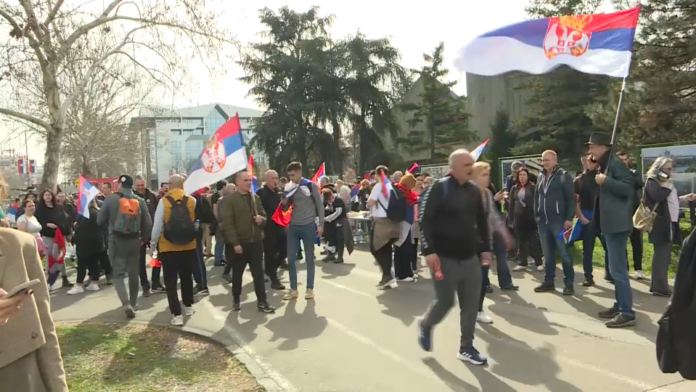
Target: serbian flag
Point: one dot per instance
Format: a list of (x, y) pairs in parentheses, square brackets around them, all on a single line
[(479, 150), (20, 166), (355, 190), (222, 156), (56, 257), (573, 234), (599, 44), (386, 185), (250, 169), (414, 167), (85, 194), (32, 166), (319, 174)]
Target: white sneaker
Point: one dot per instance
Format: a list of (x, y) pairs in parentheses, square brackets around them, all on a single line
[(639, 275), (484, 318), (540, 268), (408, 279), (520, 268), (92, 287), (189, 310), (178, 320), (77, 289)]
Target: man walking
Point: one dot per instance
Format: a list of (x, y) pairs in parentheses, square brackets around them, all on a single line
[(174, 235), (554, 209), (307, 206), (614, 217), (151, 201), (130, 227), (243, 217), (454, 232), (274, 242)]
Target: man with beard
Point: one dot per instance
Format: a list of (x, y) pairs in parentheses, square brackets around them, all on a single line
[(274, 241), (151, 201)]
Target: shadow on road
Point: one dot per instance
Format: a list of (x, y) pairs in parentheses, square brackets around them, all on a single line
[(405, 303), (285, 328)]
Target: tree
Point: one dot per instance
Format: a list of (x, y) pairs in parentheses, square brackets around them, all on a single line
[(560, 121), (162, 37), (502, 142), (442, 112)]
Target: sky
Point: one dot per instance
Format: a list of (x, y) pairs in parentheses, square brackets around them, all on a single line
[(414, 28)]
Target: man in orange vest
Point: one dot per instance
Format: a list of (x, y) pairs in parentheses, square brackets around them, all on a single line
[(174, 242)]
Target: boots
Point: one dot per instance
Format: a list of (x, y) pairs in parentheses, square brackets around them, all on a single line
[(66, 282)]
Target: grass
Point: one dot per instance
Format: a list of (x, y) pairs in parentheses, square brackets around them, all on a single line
[(137, 358)]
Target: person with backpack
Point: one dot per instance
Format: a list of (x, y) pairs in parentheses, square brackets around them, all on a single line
[(243, 218), (174, 234), (307, 206), (388, 206), (151, 201), (554, 210), (130, 227), (204, 215)]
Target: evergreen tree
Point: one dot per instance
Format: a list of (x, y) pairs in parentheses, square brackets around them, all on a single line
[(501, 144), (440, 110)]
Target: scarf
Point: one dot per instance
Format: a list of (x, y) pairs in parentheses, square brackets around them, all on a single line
[(291, 187), (411, 197)]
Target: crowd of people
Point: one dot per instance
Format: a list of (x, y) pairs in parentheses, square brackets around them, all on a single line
[(460, 224)]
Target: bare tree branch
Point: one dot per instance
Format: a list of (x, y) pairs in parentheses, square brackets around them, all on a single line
[(26, 117)]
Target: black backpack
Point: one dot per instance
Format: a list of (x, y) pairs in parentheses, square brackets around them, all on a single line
[(204, 211), (396, 210), (180, 229)]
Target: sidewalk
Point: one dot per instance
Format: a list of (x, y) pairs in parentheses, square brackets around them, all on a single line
[(356, 338)]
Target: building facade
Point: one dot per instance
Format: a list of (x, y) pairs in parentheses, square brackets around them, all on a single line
[(172, 140)]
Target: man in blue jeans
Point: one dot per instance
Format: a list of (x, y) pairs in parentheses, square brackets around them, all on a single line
[(554, 209), (307, 207), (614, 217)]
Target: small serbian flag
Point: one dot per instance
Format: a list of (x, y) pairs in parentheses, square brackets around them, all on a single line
[(414, 167), (319, 174), (20, 166), (385, 184), (479, 150), (86, 193), (573, 234), (250, 169), (599, 44)]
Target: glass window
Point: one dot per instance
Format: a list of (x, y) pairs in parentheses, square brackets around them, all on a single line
[(175, 148), (188, 132), (213, 121), (193, 149), (176, 131)]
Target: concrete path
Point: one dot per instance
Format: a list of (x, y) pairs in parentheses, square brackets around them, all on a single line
[(353, 337)]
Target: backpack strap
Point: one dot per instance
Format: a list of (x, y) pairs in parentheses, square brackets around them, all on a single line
[(171, 200)]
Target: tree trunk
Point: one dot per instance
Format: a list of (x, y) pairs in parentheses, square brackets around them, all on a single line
[(54, 141), (338, 156)]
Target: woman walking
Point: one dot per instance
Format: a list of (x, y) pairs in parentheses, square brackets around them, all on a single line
[(522, 212)]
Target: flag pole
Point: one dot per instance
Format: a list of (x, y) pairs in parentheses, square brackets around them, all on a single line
[(618, 112)]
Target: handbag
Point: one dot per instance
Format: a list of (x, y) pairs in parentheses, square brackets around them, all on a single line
[(644, 217)]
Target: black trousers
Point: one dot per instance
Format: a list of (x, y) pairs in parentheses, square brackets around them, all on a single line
[(403, 259), (383, 257), (637, 245), (87, 261), (528, 244), (143, 271), (334, 237), (105, 263), (252, 253), (178, 265), (274, 251)]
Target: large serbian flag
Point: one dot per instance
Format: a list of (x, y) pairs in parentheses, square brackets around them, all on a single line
[(595, 44), (222, 156)]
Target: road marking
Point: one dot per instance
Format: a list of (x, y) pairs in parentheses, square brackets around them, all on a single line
[(244, 345)]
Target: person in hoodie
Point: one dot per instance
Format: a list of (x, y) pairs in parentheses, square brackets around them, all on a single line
[(554, 210), (129, 229), (51, 216), (151, 201)]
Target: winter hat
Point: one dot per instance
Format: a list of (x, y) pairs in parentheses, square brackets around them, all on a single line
[(126, 181)]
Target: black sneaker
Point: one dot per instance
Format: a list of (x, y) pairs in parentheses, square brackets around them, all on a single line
[(236, 305), (609, 313), (265, 307), (227, 278), (386, 283), (545, 288), (159, 290), (621, 321), (339, 260), (588, 283), (277, 285), (512, 287), (329, 257), (472, 355), (489, 290), (220, 263), (425, 337), (146, 292), (196, 290), (568, 291), (661, 294), (66, 282), (202, 292)]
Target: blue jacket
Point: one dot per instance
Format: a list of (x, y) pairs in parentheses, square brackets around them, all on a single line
[(554, 200)]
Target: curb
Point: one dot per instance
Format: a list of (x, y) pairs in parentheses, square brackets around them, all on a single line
[(256, 370)]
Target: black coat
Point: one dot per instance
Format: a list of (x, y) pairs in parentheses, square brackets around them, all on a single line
[(55, 215), (662, 231), (676, 338), (523, 217), (89, 236)]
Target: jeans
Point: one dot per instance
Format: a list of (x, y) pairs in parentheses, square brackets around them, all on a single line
[(307, 235), (178, 265), (219, 246), (200, 274), (504, 277), (464, 278), (589, 237), (252, 256), (550, 242), (618, 265)]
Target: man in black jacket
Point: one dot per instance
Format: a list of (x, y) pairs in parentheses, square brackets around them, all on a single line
[(636, 235), (454, 232), (274, 240), (151, 201)]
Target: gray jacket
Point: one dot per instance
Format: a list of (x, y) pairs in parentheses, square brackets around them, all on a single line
[(109, 212), (554, 200)]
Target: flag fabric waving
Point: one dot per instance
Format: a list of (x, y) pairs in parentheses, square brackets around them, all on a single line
[(282, 218), (86, 193), (223, 156), (250, 169), (386, 185), (414, 167), (479, 150), (596, 44), (56, 257), (319, 174)]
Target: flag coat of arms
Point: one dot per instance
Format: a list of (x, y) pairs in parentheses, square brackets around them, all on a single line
[(86, 193), (222, 156), (595, 44)]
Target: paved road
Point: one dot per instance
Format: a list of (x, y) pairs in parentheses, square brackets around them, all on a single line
[(353, 337)]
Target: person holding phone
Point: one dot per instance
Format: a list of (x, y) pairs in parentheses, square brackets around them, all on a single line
[(30, 359)]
